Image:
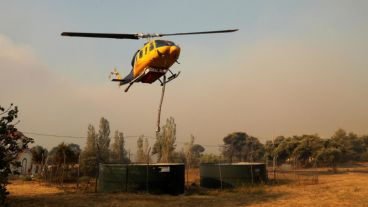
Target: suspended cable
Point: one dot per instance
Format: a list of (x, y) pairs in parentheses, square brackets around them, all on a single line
[(128, 136)]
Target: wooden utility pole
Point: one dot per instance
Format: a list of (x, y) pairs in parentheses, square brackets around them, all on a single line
[(147, 170), (79, 157), (62, 174), (274, 157)]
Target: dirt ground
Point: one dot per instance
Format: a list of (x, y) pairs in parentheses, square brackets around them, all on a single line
[(346, 188)]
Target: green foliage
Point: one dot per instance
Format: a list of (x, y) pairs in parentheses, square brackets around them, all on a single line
[(140, 156), (64, 152), (197, 152), (39, 154), (97, 148), (308, 150), (118, 152), (26, 178), (285, 148), (11, 143), (188, 153), (364, 157), (178, 157), (239, 146), (89, 154), (351, 145), (329, 156), (165, 141), (103, 141), (211, 158)]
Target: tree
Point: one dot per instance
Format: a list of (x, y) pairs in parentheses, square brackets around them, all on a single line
[(307, 149), (103, 141), (269, 150), (146, 150), (188, 153), (350, 145), (64, 152), (239, 146), (165, 141), (39, 155), (197, 152), (284, 148), (89, 154), (118, 152), (11, 143), (140, 157), (211, 158), (252, 150), (234, 143), (329, 156), (178, 157)]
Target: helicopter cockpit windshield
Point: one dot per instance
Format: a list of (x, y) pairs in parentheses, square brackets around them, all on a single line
[(162, 43), (134, 58)]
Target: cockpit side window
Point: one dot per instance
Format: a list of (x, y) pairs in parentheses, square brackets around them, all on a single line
[(140, 54), (151, 46), (161, 43), (170, 43)]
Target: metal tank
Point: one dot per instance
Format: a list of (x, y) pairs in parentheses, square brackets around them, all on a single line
[(153, 178), (227, 175)]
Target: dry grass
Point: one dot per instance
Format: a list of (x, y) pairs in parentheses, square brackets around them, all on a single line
[(342, 189)]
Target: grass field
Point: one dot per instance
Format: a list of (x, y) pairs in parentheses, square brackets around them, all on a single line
[(346, 188)]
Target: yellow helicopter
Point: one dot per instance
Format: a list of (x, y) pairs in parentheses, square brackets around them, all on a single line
[(152, 61)]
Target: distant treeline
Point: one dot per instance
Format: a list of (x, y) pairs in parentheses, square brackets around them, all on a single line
[(303, 151)]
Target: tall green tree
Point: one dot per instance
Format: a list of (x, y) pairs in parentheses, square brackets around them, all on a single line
[(349, 144), (307, 148), (146, 150), (103, 141), (329, 155), (233, 145), (239, 146), (118, 151), (188, 152), (211, 158), (140, 156), (64, 152), (284, 148), (165, 141), (89, 154), (39, 154), (197, 152), (11, 143)]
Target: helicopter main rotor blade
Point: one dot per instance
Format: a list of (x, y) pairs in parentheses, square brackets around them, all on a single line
[(101, 35), (205, 32)]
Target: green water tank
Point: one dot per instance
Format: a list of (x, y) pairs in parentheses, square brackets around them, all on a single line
[(231, 174), (153, 178)]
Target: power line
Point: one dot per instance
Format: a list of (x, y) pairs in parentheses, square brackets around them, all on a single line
[(74, 137), (125, 136)]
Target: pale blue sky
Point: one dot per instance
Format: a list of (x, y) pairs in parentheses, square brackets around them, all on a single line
[(294, 67)]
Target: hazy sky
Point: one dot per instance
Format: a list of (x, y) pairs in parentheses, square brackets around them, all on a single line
[(293, 67)]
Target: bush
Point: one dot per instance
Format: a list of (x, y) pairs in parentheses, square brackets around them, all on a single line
[(12, 142), (364, 157), (27, 178)]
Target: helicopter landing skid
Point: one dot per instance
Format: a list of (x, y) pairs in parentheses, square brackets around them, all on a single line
[(172, 77), (127, 88)]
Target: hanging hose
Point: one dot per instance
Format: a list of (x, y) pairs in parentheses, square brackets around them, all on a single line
[(159, 107)]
